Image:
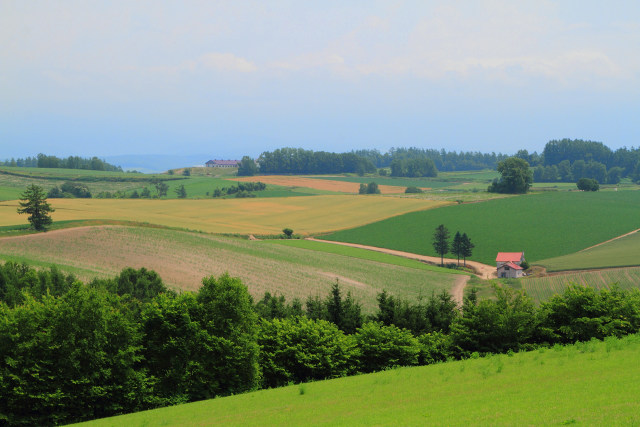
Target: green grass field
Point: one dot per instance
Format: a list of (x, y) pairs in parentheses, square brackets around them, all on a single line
[(70, 174), (543, 225), (202, 187), (13, 181), (621, 252), (182, 259), (201, 184), (467, 179), (594, 383), (397, 182), (543, 288)]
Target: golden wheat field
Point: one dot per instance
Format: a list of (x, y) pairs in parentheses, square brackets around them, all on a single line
[(319, 184), (305, 215)]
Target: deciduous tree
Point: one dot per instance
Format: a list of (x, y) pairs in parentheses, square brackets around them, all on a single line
[(516, 177)]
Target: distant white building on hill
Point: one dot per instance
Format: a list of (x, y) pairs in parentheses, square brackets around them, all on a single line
[(222, 163), (508, 264)]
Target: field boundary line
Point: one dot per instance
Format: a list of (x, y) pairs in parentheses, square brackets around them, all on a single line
[(610, 240)]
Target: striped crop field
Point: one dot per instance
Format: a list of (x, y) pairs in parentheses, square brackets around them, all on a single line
[(592, 383), (543, 288), (304, 215), (621, 252), (542, 225), (183, 258)]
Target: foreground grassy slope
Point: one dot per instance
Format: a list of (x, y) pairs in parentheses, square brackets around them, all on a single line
[(617, 253), (182, 259), (595, 383), (542, 225), (256, 216)]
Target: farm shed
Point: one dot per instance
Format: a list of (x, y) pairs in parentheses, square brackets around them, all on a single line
[(222, 163), (508, 264)]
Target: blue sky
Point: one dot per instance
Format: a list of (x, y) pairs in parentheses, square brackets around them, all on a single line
[(241, 77)]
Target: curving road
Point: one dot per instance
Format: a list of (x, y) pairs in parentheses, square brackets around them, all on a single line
[(483, 271)]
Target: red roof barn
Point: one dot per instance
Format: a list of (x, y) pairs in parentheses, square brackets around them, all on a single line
[(508, 264)]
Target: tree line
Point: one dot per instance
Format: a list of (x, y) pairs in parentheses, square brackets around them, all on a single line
[(301, 161), (568, 160), (446, 161), (74, 351), (71, 162)]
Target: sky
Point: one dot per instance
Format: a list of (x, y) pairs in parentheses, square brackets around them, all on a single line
[(234, 78)]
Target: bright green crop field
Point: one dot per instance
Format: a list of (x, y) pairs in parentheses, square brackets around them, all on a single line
[(593, 383), (621, 252), (543, 225)]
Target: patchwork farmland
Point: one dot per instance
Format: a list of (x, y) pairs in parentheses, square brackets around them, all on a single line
[(182, 259)]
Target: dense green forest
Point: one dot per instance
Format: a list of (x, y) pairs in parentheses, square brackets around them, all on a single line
[(71, 162), (75, 352), (445, 161), (300, 161), (569, 160)]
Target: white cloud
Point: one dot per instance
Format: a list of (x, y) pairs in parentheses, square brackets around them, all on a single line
[(512, 42)]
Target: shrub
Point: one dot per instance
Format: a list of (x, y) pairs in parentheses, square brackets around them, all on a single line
[(495, 326), (370, 188), (588, 184), (410, 190), (300, 349), (582, 313), (381, 347)]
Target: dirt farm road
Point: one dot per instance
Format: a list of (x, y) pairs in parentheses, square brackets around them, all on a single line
[(482, 270)]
